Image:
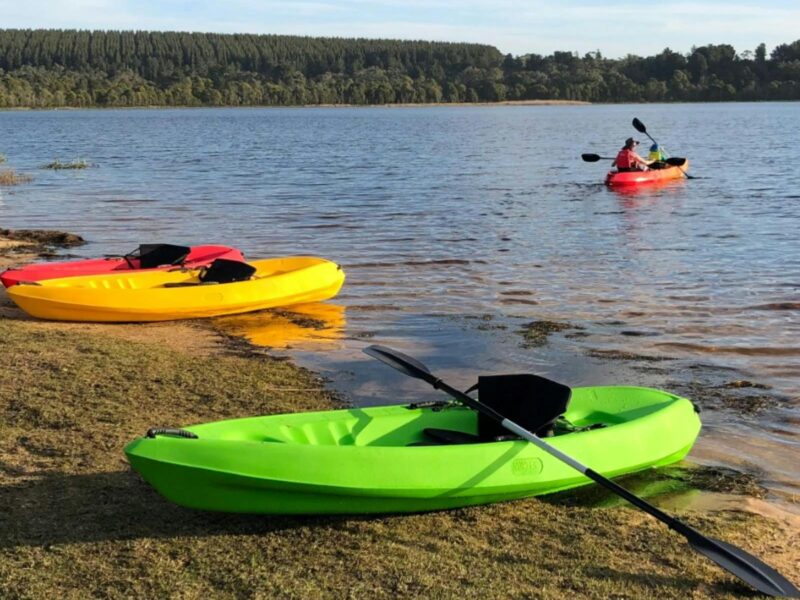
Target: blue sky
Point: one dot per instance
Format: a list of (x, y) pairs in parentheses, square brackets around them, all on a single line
[(615, 27)]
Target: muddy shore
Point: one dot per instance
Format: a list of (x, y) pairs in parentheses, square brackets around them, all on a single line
[(76, 521)]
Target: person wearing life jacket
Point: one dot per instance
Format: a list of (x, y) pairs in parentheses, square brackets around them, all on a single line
[(657, 157), (628, 160)]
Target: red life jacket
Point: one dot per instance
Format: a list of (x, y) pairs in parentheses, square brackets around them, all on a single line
[(625, 159)]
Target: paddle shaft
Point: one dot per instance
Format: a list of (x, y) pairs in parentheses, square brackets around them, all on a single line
[(652, 140)]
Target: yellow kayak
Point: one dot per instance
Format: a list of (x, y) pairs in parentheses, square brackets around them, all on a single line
[(180, 293)]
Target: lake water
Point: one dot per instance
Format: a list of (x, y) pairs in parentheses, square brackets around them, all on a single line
[(457, 226)]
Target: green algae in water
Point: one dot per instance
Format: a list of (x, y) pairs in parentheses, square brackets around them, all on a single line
[(57, 165), (536, 333)]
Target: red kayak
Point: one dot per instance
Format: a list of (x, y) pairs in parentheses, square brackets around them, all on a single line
[(615, 178), (145, 257)]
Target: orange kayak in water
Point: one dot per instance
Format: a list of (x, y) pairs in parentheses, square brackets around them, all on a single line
[(616, 178)]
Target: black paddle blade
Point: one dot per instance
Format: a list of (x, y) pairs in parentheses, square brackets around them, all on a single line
[(595, 157), (401, 362), (639, 126), (745, 566)]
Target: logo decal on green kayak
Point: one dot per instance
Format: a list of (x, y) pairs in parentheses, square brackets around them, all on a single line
[(526, 466)]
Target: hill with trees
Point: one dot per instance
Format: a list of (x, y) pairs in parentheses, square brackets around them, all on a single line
[(59, 68)]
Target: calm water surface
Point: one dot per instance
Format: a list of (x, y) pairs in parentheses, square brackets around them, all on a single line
[(457, 226)]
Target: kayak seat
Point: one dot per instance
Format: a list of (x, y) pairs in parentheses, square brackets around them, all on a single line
[(531, 401), (223, 270), (155, 255)]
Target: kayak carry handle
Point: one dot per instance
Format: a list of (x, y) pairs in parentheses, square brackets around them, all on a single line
[(170, 431)]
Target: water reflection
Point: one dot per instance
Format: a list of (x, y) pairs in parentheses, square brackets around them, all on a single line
[(311, 327), (635, 196), (682, 487)]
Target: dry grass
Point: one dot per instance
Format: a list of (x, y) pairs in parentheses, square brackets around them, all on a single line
[(76, 522), (11, 177)]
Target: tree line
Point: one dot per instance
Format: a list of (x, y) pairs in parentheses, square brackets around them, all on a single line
[(55, 68)]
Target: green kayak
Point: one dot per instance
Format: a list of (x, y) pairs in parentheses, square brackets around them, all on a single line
[(405, 458)]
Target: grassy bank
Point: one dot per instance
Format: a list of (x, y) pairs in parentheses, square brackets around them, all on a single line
[(75, 521)]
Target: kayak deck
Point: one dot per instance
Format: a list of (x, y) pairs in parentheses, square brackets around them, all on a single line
[(375, 459)]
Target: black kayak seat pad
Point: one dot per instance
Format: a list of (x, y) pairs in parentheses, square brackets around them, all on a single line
[(221, 270), (155, 255), (531, 401)]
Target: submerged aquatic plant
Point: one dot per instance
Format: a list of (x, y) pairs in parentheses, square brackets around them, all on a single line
[(535, 333), (75, 164)]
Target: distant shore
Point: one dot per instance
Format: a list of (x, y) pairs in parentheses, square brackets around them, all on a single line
[(504, 103), (391, 105)]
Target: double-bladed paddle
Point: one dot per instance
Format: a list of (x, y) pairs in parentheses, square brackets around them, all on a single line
[(673, 161), (736, 561), (639, 126)]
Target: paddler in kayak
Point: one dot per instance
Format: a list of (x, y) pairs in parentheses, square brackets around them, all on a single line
[(657, 157), (628, 160)]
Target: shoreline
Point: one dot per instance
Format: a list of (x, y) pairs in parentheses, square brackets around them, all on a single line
[(391, 105), (72, 395), (21, 246)]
